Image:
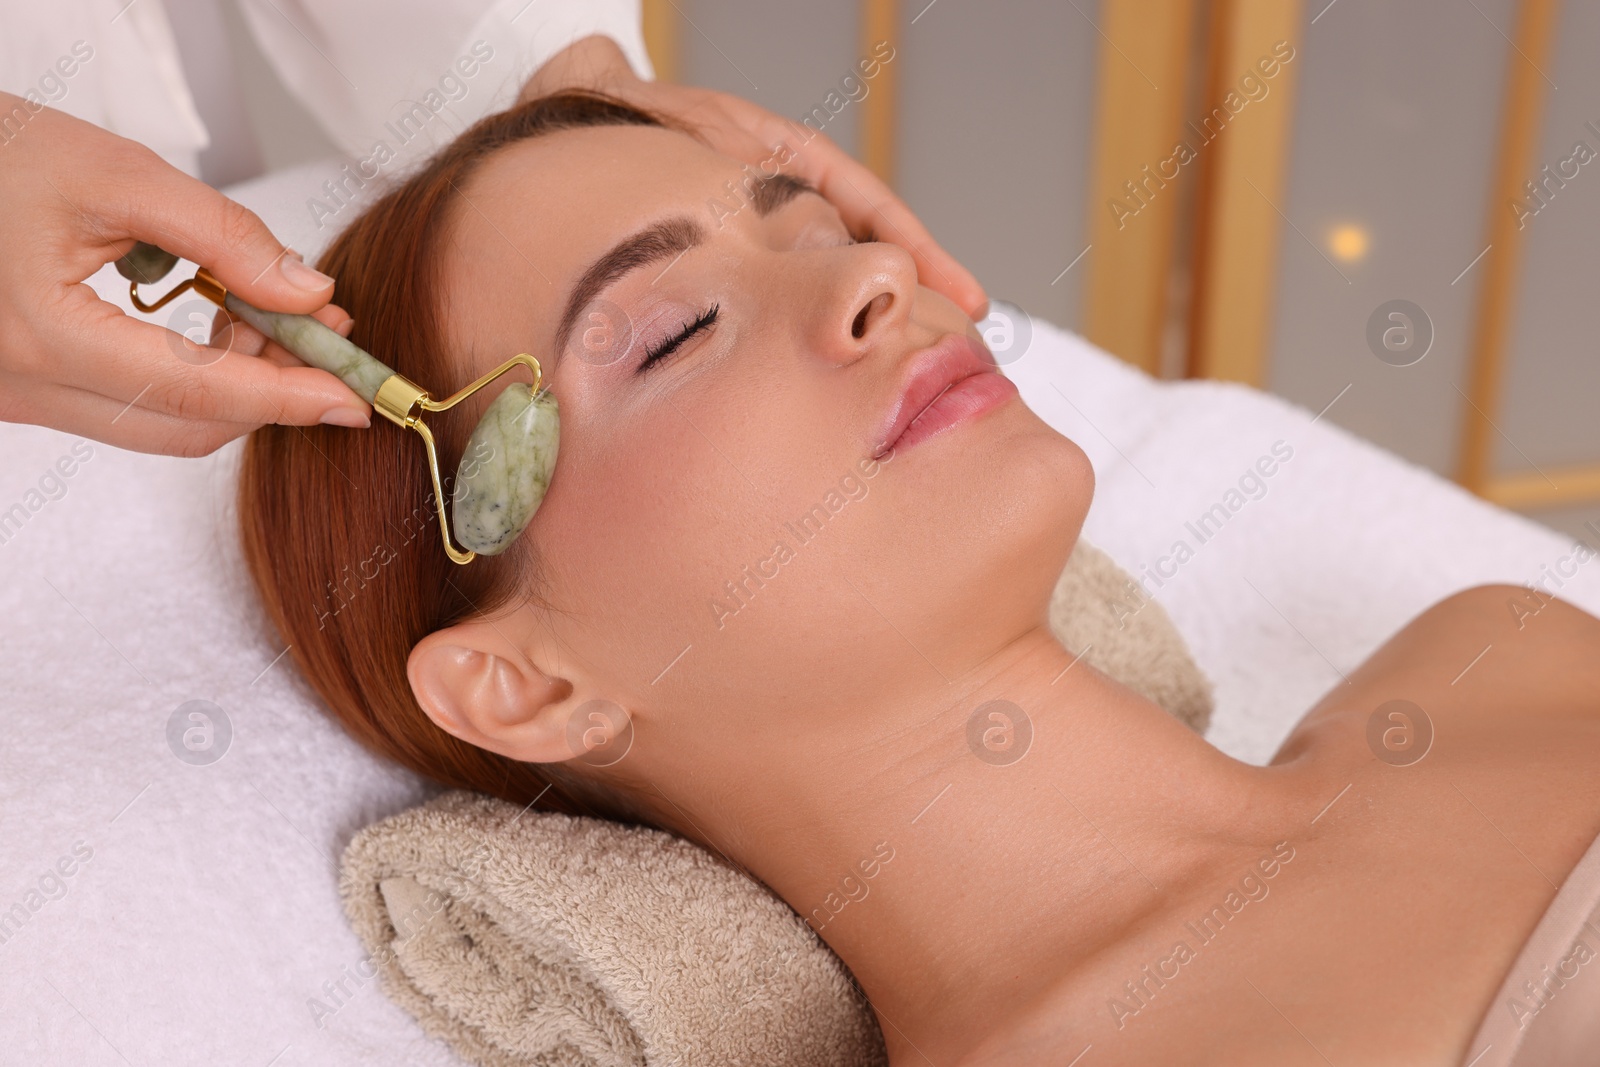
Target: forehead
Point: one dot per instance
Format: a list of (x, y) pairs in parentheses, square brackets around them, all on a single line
[(537, 213), (576, 183)]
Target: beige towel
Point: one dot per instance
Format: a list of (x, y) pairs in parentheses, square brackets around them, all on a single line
[(1098, 610), (532, 938)]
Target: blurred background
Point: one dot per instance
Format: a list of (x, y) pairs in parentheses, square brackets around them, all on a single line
[(1382, 212)]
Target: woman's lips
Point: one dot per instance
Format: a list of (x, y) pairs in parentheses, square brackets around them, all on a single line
[(966, 399), (949, 383)]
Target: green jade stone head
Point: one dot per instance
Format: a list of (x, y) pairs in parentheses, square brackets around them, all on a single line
[(509, 458), (496, 496), (510, 455)]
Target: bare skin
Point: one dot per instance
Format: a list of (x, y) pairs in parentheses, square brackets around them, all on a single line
[(825, 722), (1384, 939), (78, 196)]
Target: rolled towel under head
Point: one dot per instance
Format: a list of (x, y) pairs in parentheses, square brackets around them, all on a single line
[(540, 938), (535, 938)]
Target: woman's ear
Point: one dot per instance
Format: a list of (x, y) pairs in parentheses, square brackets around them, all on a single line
[(478, 685)]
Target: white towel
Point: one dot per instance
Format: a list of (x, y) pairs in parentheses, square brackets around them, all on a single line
[(209, 915)]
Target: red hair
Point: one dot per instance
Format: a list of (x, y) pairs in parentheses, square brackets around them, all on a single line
[(339, 527)]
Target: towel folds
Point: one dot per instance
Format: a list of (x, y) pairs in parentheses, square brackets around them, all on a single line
[(533, 938)]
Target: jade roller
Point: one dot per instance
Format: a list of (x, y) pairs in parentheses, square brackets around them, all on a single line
[(506, 467)]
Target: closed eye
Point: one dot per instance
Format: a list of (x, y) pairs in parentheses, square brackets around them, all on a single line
[(660, 351), (657, 353)]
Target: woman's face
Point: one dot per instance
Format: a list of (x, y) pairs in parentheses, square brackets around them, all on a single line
[(718, 538)]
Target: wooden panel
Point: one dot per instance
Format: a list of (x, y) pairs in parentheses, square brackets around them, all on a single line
[(661, 20), (1238, 210), (1143, 75), (1520, 123), (880, 21), (1532, 489)]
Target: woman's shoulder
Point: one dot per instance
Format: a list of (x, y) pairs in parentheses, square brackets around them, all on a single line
[(1480, 715), (1469, 740), (1485, 655), (1500, 652), (1493, 695), (1508, 613)]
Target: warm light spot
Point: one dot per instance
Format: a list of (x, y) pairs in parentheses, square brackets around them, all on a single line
[(1348, 242)]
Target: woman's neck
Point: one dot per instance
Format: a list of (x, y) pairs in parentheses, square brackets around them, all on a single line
[(961, 871)]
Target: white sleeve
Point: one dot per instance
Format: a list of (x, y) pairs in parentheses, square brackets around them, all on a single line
[(107, 62), (372, 72)]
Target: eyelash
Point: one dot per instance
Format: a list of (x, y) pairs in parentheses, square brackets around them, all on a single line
[(706, 320), (661, 351)]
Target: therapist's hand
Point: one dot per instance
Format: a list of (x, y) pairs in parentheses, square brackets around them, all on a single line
[(75, 198), (752, 134)]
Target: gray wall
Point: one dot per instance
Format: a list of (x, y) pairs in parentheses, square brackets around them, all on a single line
[(1396, 128)]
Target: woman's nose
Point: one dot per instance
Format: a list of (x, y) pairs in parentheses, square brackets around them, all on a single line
[(870, 289)]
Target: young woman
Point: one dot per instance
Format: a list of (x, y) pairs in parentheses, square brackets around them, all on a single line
[(791, 583)]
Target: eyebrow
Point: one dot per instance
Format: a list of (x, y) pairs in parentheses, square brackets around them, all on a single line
[(769, 194), (664, 240), (661, 240)]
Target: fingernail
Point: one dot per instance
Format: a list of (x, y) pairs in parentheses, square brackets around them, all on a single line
[(344, 328), (297, 274), (355, 418)]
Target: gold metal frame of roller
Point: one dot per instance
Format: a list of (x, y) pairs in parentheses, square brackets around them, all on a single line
[(399, 399)]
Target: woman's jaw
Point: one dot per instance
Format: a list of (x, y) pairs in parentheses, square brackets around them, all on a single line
[(799, 634), (727, 556)]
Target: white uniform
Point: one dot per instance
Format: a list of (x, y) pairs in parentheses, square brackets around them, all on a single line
[(149, 69)]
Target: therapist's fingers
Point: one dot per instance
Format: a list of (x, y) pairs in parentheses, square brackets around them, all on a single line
[(104, 192), (165, 207), (866, 203), (87, 414), (126, 359), (136, 362), (76, 197), (756, 136), (236, 335)]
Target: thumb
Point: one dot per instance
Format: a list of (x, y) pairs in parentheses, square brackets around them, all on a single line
[(189, 218)]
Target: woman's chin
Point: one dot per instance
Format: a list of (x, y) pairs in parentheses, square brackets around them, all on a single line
[(1064, 483), (1045, 473), (973, 524)]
